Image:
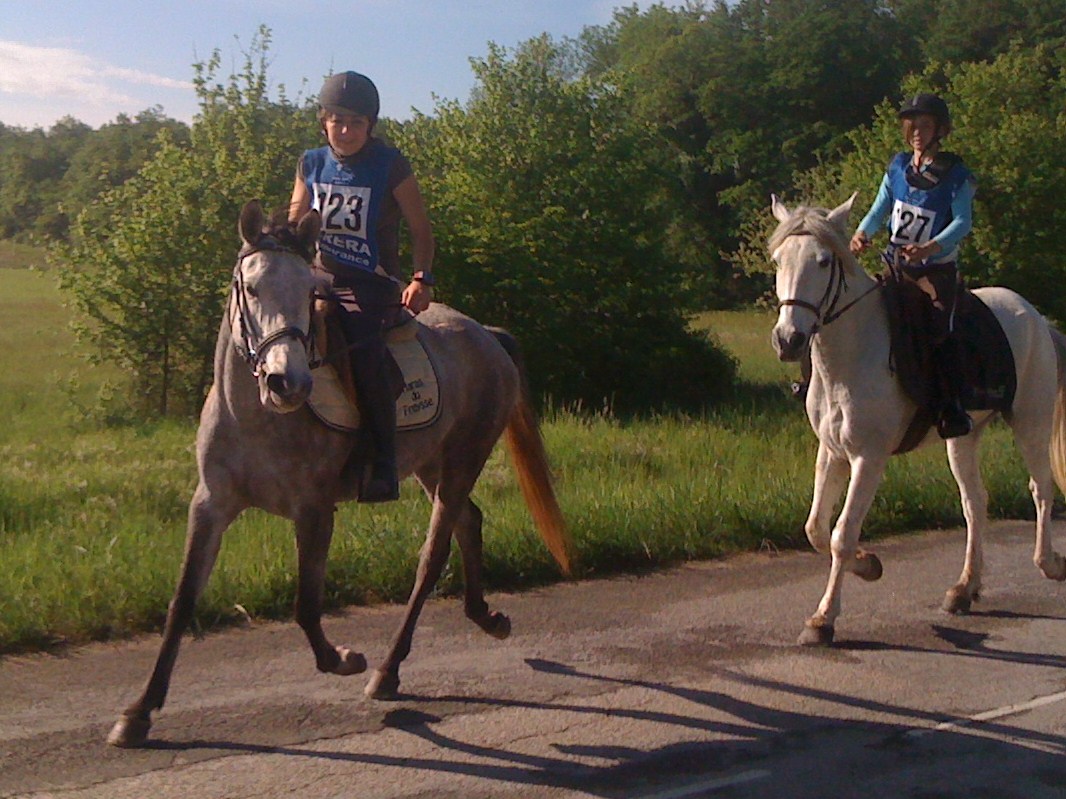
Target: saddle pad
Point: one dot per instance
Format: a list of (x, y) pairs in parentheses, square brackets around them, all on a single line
[(417, 406)]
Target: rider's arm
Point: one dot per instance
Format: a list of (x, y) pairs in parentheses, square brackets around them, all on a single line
[(962, 218), (300, 203), (417, 295), (875, 217)]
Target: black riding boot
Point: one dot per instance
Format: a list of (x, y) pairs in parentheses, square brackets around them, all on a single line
[(378, 408), (953, 421)]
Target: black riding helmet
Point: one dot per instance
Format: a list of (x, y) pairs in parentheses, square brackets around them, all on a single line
[(351, 93), (926, 103)]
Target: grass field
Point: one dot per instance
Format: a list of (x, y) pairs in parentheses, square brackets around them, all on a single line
[(92, 517)]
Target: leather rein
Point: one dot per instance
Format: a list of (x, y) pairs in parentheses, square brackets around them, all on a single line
[(826, 311)]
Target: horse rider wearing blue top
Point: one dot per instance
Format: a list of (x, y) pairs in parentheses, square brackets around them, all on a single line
[(926, 202), (363, 187)]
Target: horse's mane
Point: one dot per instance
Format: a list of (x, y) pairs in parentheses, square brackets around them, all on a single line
[(280, 228), (807, 220)]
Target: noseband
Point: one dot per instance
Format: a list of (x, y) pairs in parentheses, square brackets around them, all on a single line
[(826, 311), (253, 351)]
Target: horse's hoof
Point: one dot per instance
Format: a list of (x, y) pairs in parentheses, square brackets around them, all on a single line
[(350, 662), (955, 603), (816, 634), (1057, 570), (383, 686), (868, 566), (497, 625), (129, 732)]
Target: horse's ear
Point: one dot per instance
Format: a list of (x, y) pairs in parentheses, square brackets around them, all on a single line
[(840, 214), (781, 212), (307, 229), (250, 225)]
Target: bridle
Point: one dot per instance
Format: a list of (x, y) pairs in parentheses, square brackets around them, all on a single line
[(826, 311), (253, 351)]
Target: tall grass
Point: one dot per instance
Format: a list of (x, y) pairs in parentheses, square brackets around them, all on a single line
[(92, 517)]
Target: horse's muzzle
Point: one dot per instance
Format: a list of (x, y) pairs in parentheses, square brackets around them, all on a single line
[(789, 347), (286, 392)]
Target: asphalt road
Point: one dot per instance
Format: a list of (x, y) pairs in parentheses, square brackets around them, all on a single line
[(682, 683)]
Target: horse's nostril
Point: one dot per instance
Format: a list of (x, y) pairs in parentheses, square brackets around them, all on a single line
[(797, 340), (277, 384)]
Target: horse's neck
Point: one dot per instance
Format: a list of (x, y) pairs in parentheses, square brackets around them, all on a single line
[(847, 344), (236, 387)]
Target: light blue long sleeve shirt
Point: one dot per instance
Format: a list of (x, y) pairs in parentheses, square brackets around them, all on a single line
[(948, 238)]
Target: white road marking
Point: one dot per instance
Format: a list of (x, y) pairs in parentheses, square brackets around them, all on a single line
[(989, 715), (695, 788)]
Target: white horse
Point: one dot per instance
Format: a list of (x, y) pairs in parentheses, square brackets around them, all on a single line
[(860, 413)]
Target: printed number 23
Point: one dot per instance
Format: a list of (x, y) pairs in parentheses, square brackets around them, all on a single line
[(343, 211)]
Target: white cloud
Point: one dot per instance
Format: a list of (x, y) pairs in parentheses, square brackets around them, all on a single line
[(54, 76)]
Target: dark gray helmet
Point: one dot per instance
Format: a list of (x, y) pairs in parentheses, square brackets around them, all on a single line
[(926, 103), (350, 92)]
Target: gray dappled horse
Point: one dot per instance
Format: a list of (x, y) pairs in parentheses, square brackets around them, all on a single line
[(259, 445)]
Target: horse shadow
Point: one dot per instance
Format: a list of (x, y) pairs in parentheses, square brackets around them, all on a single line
[(745, 741)]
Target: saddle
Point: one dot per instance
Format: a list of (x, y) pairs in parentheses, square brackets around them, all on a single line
[(989, 376), (412, 374)]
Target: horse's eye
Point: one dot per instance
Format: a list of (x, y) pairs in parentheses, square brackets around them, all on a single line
[(825, 261), (251, 291)]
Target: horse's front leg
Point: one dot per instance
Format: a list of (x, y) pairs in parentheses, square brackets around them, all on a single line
[(866, 475), (962, 457), (206, 524), (830, 479), (314, 532), (384, 683)]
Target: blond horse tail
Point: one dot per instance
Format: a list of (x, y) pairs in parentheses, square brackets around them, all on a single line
[(530, 461), (1057, 446)]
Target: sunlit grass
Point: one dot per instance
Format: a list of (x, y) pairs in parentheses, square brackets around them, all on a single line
[(92, 519)]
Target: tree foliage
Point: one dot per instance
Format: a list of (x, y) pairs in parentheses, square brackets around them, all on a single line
[(541, 193), (149, 260)]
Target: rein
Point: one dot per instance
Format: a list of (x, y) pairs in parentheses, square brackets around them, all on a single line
[(834, 290), (254, 352)]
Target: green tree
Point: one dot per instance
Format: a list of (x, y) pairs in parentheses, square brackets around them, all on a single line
[(540, 193), (149, 261), (741, 96)]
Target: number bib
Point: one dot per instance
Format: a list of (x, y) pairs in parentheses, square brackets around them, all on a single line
[(912, 224), (344, 225)]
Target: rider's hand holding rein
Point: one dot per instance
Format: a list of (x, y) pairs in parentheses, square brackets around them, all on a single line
[(417, 296), (917, 253), (860, 242)]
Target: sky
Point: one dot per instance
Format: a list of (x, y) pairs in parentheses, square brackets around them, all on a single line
[(96, 59)]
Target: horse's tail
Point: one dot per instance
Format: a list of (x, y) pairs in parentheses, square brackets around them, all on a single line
[(531, 463), (1057, 447)]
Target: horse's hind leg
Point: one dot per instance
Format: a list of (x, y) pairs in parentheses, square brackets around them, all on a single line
[(468, 536), (204, 536), (1032, 442), (962, 457), (314, 531), (385, 681)]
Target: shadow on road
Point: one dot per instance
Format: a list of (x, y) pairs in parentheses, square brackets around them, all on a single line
[(777, 751)]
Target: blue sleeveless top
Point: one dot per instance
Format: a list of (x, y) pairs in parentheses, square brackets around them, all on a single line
[(350, 194)]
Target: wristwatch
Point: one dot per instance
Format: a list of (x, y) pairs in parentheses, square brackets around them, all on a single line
[(425, 278)]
